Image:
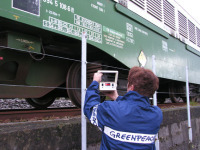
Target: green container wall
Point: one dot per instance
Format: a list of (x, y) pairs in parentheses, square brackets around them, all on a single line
[(23, 42), (113, 29)]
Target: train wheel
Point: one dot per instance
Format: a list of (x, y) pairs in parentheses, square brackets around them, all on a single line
[(41, 103), (176, 93), (196, 99), (73, 83), (161, 98)]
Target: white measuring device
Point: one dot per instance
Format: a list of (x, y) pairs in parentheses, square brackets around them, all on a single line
[(108, 85)]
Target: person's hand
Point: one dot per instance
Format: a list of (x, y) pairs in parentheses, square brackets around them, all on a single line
[(112, 94), (97, 76)]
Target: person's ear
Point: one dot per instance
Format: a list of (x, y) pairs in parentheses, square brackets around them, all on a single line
[(132, 87)]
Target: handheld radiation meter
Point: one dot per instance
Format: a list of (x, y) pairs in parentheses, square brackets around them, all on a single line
[(109, 80)]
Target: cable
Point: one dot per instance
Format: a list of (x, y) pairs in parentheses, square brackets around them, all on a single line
[(108, 66), (43, 54), (62, 88), (169, 93), (65, 58), (45, 87), (76, 60), (54, 56)]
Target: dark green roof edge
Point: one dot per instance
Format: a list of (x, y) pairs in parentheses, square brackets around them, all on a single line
[(189, 48), (141, 20)]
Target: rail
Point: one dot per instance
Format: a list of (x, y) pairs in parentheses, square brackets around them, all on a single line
[(31, 114)]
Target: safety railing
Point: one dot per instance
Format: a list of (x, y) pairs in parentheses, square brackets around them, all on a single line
[(83, 62), (184, 74)]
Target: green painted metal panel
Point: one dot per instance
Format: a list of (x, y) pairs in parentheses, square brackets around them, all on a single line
[(23, 42), (189, 48), (111, 28)]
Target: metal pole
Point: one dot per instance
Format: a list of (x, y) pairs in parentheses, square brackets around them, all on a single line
[(188, 106), (83, 91), (154, 71), (155, 99)]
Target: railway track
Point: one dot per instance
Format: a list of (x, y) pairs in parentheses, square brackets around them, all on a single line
[(171, 105), (33, 114)]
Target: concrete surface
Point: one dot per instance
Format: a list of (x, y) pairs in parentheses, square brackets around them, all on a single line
[(173, 134), (47, 135), (65, 134)]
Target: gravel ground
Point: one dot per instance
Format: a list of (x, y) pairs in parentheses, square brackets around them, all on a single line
[(22, 104)]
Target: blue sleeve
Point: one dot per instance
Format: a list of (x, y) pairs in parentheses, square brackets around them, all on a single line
[(98, 113), (92, 98)]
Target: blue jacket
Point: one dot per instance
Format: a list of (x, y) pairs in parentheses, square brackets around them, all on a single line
[(128, 123)]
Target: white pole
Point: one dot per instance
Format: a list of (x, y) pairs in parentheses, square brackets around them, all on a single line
[(188, 107), (154, 71), (83, 91), (155, 99)]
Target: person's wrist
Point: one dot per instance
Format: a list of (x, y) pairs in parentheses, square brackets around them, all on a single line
[(96, 80)]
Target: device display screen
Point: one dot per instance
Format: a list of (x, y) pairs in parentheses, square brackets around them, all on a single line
[(107, 84), (108, 80), (108, 77)]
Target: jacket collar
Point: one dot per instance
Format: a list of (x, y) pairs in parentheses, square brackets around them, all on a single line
[(137, 98)]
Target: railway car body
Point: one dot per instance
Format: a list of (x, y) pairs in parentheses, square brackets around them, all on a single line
[(40, 44)]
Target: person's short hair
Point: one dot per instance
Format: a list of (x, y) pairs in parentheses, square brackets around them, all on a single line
[(144, 80)]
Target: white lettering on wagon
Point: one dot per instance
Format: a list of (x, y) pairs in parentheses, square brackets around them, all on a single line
[(141, 31), (99, 6), (62, 6), (130, 137), (93, 29), (113, 37), (129, 33)]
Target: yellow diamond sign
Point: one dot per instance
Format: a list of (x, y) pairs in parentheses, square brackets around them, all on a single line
[(142, 59)]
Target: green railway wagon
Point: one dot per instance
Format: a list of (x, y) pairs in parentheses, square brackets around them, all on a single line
[(40, 46)]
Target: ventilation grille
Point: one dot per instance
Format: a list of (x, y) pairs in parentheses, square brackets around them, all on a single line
[(154, 8), (169, 15), (192, 35), (183, 29), (139, 3), (165, 12), (198, 36)]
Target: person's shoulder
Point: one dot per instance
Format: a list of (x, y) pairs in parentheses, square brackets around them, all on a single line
[(109, 104), (157, 109), (119, 98)]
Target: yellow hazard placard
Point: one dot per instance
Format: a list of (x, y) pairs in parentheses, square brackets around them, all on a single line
[(142, 59)]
